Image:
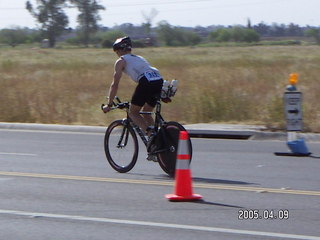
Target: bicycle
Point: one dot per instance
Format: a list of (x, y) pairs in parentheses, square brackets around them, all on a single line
[(121, 142)]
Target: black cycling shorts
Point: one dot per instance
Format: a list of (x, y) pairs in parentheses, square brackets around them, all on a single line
[(147, 92)]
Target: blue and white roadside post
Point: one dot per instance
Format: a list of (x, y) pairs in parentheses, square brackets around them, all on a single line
[(293, 113)]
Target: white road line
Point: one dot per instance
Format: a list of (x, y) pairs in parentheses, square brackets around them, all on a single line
[(155, 224), (55, 131), (18, 154)]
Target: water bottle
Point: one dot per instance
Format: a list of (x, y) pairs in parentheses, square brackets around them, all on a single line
[(165, 87), (174, 85)]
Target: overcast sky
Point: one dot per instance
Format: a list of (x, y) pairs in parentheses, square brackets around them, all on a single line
[(181, 12)]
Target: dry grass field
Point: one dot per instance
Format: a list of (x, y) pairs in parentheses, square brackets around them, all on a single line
[(218, 84)]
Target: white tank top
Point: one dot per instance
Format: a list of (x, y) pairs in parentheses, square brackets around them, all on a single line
[(138, 67)]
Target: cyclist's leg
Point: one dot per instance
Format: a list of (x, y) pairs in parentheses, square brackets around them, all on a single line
[(145, 95), (152, 96), (134, 113), (147, 117), (138, 100)]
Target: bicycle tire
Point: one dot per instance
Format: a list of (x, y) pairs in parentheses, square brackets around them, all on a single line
[(121, 146), (167, 159)]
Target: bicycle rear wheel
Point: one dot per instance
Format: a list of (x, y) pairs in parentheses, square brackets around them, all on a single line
[(121, 146), (168, 156)]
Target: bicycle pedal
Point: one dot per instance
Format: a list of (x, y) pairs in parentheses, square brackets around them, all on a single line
[(153, 158), (172, 149), (151, 148)]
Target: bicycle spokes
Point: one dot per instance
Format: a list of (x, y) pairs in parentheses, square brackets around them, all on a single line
[(121, 146)]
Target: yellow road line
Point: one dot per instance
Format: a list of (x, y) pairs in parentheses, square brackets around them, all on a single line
[(161, 183)]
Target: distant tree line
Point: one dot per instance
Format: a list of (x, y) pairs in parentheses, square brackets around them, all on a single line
[(164, 34), (54, 27), (280, 30)]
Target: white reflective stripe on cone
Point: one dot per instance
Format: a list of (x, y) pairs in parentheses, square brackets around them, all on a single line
[(183, 157), (183, 164)]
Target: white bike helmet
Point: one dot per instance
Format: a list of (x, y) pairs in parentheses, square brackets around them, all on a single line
[(122, 43)]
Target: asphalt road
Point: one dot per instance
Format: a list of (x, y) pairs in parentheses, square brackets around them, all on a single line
[(58, 185)]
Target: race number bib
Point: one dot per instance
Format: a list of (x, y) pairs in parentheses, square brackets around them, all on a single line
[(152, 75)]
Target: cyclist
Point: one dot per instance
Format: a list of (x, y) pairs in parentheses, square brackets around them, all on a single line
[(148, 79)]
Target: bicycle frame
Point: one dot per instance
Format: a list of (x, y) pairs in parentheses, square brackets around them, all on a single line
[(158, 122)]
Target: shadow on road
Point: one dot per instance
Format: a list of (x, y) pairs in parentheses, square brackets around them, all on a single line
[(221, 181), (290, 154), (216, 204), (196, 179)]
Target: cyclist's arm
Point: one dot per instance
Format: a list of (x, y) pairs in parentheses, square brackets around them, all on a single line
[(118, 68)]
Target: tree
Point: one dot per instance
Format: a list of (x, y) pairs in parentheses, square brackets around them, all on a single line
[(88, 18), (249, 26), (13, 37), (294, 30), (315, 33), (262, 29), (175, 36), (50, 15), (250, 35), (221, 35), (149, 19), (237, 34), (278, 30)]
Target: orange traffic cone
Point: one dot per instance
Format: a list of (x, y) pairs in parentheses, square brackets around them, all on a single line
[(183, 180)]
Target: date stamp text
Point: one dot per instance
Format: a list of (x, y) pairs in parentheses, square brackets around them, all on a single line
[(266, 214)]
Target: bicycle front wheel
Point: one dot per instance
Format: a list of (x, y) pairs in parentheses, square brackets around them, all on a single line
[(168, 157), (121, 146)]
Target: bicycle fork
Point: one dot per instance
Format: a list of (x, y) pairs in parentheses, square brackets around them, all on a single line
[(123, 141)]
